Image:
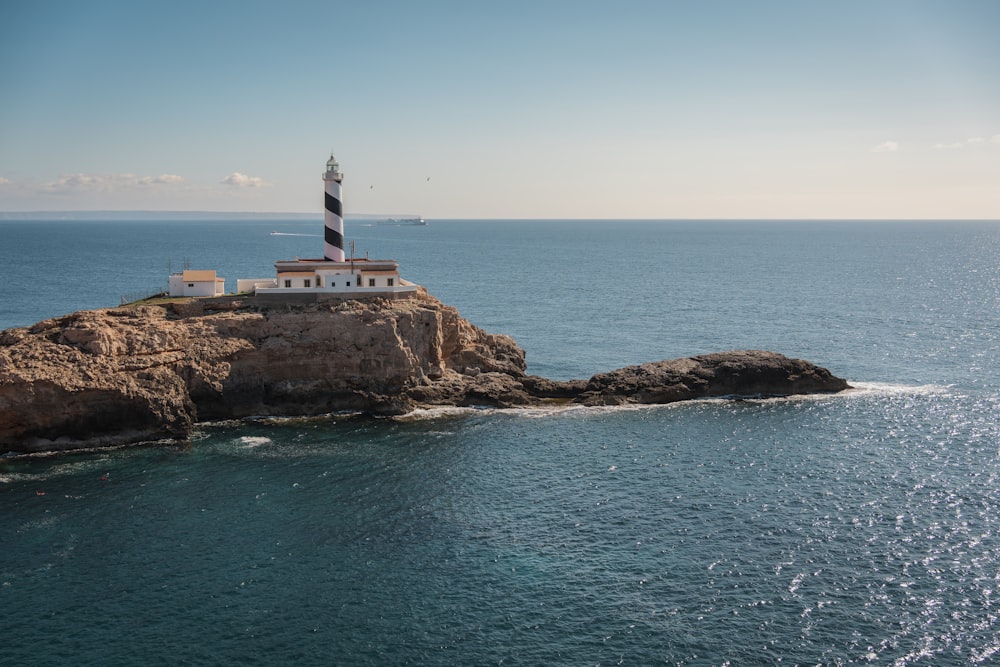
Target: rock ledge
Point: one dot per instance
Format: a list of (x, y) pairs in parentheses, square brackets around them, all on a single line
[(140, 373)]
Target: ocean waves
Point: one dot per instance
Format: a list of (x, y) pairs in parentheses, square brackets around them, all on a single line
[(855, 528)]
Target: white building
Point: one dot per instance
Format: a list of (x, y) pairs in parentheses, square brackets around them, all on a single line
[(196, 283), (354, 278)]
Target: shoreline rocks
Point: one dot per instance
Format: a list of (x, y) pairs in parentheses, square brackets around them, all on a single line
[(151, 372)]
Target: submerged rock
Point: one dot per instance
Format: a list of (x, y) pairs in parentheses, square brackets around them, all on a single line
[(139, 373)]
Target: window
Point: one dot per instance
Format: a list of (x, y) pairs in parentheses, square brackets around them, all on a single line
[(348, 283), (390, 282), (190, 284), (288, 283), (308, 283), (371, 282), (319, 281)]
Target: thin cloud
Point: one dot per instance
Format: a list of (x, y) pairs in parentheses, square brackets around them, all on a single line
[(75, 183), (240, 180), (886, 147), (971, 141), (162, 179), (4, 181)]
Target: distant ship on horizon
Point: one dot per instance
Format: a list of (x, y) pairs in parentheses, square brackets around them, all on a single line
[(418, 220)]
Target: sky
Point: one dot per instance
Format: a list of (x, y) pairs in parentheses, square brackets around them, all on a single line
[(518, 109)]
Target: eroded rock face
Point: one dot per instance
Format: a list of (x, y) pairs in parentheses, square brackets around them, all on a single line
[(130, 374), (133, 374)]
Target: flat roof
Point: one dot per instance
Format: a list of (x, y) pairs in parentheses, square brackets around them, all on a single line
[(314, 264), (196, 276)]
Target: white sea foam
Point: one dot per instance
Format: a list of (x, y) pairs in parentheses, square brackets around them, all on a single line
[(858, 389), (563, 409), (9, 478), (890, 389), (250, 441), (422, 414), (534, 412)]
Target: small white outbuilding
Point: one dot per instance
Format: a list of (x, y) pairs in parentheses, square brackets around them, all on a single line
[(197, 283)]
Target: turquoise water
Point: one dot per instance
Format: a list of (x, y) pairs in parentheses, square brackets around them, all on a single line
[(851, 529)]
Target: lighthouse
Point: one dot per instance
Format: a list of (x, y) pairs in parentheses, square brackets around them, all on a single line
[(334, 276), (333, 216)]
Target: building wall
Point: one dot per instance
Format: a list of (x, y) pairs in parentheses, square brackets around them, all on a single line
[(250, 284), (337, 280), (205, 288), (180, 287), (297, 280), (380, 278), (175, 286)]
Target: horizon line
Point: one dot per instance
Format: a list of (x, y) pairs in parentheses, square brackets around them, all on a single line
[(145, 214)]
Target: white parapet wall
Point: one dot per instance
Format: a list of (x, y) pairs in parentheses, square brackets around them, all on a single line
[(244, 285)]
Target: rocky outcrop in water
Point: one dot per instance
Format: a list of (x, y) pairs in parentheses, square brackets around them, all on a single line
[(150, 372)]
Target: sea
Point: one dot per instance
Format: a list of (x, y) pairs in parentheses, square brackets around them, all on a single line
[(861, 528)]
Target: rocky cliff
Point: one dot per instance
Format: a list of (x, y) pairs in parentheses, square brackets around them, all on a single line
[(150, 372)]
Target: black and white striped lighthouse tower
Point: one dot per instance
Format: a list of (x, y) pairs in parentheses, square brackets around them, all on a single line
[(333, 216)]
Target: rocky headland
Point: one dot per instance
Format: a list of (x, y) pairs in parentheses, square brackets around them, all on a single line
[(151, 372)]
